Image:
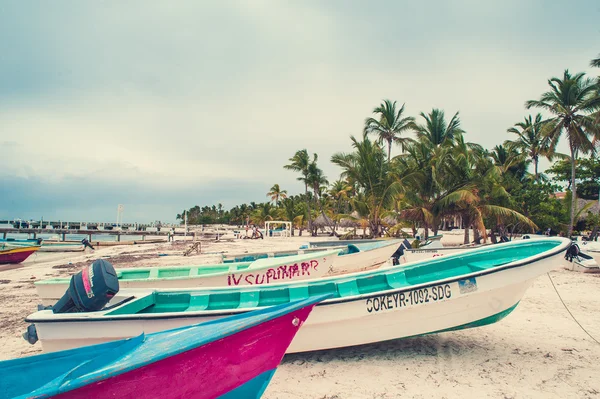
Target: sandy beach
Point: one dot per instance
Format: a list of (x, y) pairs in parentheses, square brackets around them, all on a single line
[(538, 351)]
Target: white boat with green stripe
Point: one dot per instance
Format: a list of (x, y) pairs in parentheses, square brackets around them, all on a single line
[(259, 272), (469, 289)]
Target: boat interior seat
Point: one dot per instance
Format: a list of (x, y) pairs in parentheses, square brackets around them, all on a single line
[(486, 264), (297, 293), (249, 299), (348, 288), (153, 272), (198, 302), (396, 279)]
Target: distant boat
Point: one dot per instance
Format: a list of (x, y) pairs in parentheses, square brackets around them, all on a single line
[(16, 254), (469, 289), (258, 272), (354, 255), (234, 357), (46, 246)]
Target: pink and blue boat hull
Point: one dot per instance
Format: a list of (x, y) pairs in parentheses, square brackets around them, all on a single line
[(238, 364)]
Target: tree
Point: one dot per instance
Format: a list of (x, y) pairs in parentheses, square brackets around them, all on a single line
[(276, 193), (595, 62), (300, 162), (435, 130), (571, 100), (368, 169), (588, 176), (532, 141), (390, 125)]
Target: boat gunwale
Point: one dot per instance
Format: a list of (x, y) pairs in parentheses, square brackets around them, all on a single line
[(304, 257), (563, 244)]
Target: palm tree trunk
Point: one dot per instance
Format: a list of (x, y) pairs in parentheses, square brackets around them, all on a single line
[(389, 149), (466, 224), (308, 206), (573, 191), (535, 165)]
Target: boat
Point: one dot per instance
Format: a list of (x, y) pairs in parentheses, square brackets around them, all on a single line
[(46, 246), (354, 255), (469, 289), (17, 254), (431, 248), (234, 357), (258, 272), (581, 259)]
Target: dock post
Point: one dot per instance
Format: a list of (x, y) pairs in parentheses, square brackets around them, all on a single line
[(4, 235), (119, 237), (64, 235), (89, 237), (34, 236)]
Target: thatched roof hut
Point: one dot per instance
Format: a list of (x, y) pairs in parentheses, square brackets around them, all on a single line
[(322, 221), (594, 208)]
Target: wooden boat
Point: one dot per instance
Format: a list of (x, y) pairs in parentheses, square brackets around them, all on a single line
[(354, 255), (17, 254), (258, 272), (452, 292), (234, 357), (46, 246)]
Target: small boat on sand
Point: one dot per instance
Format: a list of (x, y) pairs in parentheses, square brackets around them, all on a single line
[(46, 246), (17, 254), (354, 255), (234, 357), (468, 289), (258, 272)]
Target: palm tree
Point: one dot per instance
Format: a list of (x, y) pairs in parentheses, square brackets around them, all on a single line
[(595, 62), (532, 140), (300, 162), (276, 193), (571, 100), (435, 130), (368, 169), (390, 125)]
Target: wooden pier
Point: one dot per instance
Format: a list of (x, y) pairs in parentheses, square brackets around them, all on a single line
[(33, 232)]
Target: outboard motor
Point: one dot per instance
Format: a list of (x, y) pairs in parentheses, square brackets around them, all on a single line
[(572, 252), (90, 289), (400, 252), (86, 243)]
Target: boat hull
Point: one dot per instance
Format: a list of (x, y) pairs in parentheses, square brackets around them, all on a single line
[(363, 260), (311, 266), (215, 370), (233, 358), (62, 248), (16, 255), (416, 255), (461, 302)]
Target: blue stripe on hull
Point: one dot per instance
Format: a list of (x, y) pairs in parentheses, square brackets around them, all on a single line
[(252, 389)]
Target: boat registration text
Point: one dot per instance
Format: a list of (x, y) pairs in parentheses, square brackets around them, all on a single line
[(409, 298)]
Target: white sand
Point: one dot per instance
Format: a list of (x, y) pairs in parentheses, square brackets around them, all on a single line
[(538, 351)]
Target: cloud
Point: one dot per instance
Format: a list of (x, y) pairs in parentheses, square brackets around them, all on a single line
[(149, 97)]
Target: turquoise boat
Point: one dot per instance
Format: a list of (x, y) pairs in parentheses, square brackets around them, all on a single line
[(468, 289), (258, 272)]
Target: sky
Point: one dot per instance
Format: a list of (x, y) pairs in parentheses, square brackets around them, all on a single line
[(162, 105)]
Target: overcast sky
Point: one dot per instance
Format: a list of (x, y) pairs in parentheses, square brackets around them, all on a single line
[(162, 105)]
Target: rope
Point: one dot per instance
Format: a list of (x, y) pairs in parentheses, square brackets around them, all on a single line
[(574, 319)]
